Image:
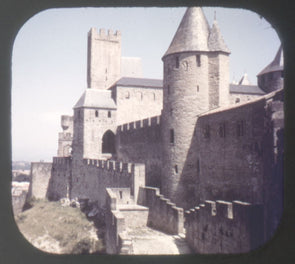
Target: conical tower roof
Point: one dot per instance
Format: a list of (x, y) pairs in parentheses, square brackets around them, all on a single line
[(215, 41), (276, 65), (192, 33), (244, 80)]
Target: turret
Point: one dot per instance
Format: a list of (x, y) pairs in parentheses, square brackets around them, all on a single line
[(194, 82), (271, 78), (94, 125)]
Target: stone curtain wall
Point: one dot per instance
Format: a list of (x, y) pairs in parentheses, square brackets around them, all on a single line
[(224, 227), (228, 147), (163, 215), (40, 177), (242, 98), (140, 142), (91, 178), (136, 103), (61, 179), (116, 237)]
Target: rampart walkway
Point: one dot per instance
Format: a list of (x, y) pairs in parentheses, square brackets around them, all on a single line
[(148, 241)]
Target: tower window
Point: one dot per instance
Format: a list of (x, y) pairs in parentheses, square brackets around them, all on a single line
[(176, 169), (198, 166), (121, 194), (207, 131), (171, 136), (198, 88), (198, 57), (222, 130), (177, 62), (96, 113), (109, 114), (240, 128)]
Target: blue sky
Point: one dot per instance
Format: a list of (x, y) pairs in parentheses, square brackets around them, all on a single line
[(50, 56)]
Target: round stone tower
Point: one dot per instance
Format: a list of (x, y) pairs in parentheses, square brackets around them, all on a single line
[(191, 86)]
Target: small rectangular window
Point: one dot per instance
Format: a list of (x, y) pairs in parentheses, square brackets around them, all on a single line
[(177, 62), (198, 57), (121, 194), (176, 169), (171, 136), (96, 113), (109, 114)]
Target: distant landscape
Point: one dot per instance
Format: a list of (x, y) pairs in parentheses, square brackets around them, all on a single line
[(21, 165)]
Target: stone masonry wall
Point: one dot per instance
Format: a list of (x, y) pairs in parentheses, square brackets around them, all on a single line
[(229, 153), (163, 215), (224, 227), (60, 183), (140, 142), (91, 178), (40, 177), (137, 103), (104, 58), (235, 98)]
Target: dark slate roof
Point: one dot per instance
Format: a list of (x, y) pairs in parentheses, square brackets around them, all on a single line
[(276, 65), (245, 89), (215, 41), (95, 98), (139, 82), (192, 33)]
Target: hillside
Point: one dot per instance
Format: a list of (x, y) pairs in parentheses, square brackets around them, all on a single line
[(57, 229)]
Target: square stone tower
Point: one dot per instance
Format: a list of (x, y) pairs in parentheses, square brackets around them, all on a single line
[(104, 58)]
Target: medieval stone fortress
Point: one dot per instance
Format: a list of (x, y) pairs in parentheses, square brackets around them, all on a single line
[(190, 155)]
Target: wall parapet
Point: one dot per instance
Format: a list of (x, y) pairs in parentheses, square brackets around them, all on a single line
[(62, 160), (224, 227), (111, 165), (163, 214), (143, 123)]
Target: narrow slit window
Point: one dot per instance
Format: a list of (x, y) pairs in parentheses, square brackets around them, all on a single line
[(109, 114), (176, 169), (198, 57), (222, 130), (96, 113), (177, 62), (121, 195), (171, 136), (240, 128), (198, 88)]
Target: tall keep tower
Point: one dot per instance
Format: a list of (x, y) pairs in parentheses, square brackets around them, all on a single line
[(196, 77), (104, 58)]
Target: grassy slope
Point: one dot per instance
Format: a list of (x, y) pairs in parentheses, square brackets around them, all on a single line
[(56, 229)]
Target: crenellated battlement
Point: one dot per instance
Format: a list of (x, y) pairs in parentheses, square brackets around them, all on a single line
[(224, 227), (148, 122), (164, 215), (222, 209), (62, 160), (111, 165), (102, 34)]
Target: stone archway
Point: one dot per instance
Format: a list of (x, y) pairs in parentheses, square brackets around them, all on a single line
[(108, 142)]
